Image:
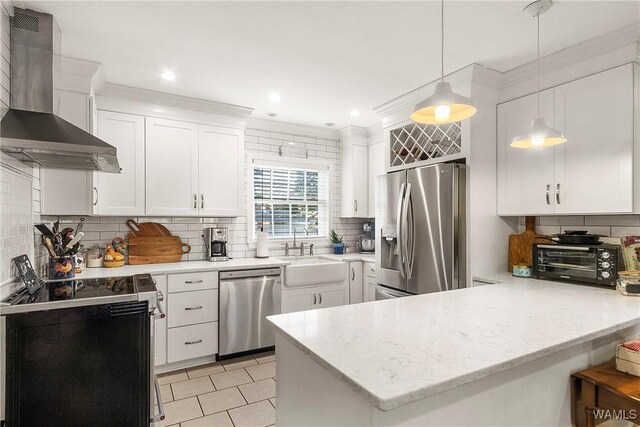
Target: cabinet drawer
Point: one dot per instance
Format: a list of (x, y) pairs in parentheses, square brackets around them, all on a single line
[(188, 308), (370, 269), (193, 281), (188, 342)]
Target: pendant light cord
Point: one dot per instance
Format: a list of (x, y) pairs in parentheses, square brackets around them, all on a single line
[(442, 41), (538, 63)]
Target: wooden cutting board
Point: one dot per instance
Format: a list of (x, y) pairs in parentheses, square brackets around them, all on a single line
[(147, 229), (156, 249), (521, 245)]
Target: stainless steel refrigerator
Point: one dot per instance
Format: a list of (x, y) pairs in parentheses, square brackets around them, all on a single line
[(420, 231)]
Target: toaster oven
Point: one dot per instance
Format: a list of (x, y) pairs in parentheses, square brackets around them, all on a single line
[(594, 264)]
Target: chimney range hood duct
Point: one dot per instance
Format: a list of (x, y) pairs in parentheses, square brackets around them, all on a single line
[(30, 131)]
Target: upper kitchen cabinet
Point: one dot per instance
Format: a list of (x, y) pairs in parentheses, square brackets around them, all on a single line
[(525, 176), (354, 173), (123, 193), (594, 168), (69, 192), (221, 171), (592, 173), (171, 168), (376, 168)]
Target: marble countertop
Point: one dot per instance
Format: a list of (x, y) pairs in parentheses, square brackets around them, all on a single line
[(394, 352)]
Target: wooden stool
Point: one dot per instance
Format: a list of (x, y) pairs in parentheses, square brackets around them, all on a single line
[(603, 393)]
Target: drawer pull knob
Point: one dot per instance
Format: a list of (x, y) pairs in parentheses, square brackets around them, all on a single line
[(193, 342), (197, 307), (193, 281)]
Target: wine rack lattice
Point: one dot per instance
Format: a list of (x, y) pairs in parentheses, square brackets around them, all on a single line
[(416, 142)]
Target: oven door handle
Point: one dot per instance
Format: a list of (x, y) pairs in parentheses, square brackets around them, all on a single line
[(161, 414)]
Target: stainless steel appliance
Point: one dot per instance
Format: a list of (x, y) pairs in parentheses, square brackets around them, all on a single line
[(366, 241), (30, 131), (92, 339), (421, 229), (595, 264), (215, 243), (247, 297)]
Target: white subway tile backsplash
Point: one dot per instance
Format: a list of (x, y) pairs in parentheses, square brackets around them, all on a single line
[(561, 220), (625, 231), (613, 220)]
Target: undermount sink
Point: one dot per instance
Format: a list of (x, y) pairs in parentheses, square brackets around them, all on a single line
[(308, 271)]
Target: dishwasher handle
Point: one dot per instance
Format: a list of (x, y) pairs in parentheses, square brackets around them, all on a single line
[(249, 273)]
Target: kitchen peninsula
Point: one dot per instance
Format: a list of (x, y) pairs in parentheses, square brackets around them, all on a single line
[(499, 354)]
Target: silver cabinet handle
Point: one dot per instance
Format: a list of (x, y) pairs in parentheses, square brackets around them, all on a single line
[(355, 206), (373, 270), (314, 299), (95, 190), (197, 307), (353, 274), (195, 201), (320, 295), (548, 193), (193, 281), (193, 342), (558, 193), (161, 414), (202, 201)]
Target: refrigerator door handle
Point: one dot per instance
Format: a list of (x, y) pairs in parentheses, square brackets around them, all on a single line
[(399, 231), (408, 230)]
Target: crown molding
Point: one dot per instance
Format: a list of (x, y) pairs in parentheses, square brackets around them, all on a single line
[(146, 96), (588, 49), (76, 74), (291, 128)]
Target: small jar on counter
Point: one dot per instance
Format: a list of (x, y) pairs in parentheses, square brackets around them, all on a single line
[(94, 256), (79, 260)]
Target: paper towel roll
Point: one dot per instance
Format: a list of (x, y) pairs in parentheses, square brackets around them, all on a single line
[(262, 245)]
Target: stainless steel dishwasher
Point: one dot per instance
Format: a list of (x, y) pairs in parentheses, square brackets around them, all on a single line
[(247, 297)]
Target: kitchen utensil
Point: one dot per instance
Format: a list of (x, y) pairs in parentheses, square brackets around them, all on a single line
[(75, 240), (520, 245), (576, 232), (27, 273), (44, 229), (156, 249), (46, 242), (147, 229), (580, 239), (61, 268), (80, 225), (55, 227)]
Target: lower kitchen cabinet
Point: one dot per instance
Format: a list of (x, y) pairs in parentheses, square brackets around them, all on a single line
[(160, 330), (355, 282), (309, 298), (189, 342), (369, 290), (188, 308)]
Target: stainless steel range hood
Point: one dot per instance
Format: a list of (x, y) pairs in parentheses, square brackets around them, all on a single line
[(30, 131)]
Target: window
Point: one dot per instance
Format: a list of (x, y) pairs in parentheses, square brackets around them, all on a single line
[(289, 198)]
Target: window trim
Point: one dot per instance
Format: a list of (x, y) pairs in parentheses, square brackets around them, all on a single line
[(274, 160)]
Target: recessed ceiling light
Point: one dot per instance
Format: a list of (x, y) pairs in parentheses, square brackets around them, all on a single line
[(271, 114), (355, 113), (329, 124), (274, 97), (168, 76)]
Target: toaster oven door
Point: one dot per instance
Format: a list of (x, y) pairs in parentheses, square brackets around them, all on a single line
[(569, 263)]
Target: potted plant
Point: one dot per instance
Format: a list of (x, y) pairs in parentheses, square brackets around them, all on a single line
[(338, 244)]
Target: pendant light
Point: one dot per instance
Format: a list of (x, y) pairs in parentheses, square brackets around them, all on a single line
[(444, 106), (538, 134)]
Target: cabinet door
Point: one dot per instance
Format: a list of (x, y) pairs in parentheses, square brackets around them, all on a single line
[(370, 290), (594, 168), (524, 174), (160, 332), (332, 297), (221, 171), (355, 283), (123, 193), (68, 192), (171, 155), (189, 342), (299, 300), (376, 168), (360, 181)]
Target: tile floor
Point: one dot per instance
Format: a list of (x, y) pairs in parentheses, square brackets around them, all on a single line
[(236, 393)]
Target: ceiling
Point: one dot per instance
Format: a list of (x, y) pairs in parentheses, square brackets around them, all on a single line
[(324, 59)]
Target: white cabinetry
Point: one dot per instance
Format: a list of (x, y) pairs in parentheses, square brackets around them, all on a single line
[(221, 171), (369, 291), (355, 282), (193, 170), (354, 173), (376, 168), (592, 173), (160, 330), (312, 297), (172, 167), (192, 312), (68, 192), (123, 193)]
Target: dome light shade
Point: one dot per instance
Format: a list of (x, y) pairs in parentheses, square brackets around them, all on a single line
[(444, 106), (538, 135)]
